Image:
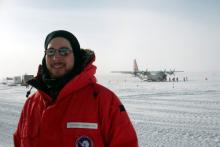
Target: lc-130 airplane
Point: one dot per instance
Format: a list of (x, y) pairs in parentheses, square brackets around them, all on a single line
[(151, 76)]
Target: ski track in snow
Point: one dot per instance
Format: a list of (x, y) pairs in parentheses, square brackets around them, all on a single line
[(184, 114)]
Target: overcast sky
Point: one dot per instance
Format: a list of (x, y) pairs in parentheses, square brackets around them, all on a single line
[(160, 34)]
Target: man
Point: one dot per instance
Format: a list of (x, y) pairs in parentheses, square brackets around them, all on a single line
[(69, 109)]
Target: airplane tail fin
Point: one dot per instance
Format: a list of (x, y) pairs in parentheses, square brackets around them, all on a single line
[(135, 67)]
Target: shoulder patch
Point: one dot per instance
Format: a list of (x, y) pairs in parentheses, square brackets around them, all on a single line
[(122, 108)]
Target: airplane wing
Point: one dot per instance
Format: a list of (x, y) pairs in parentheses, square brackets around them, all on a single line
[(172, 72), (124, 72)]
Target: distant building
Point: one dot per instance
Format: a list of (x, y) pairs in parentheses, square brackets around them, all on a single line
[(17, 80), (12, 81), (9, 78), (26, 78)]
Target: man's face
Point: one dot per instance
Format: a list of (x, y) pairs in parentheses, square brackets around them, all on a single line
[(58, 65)]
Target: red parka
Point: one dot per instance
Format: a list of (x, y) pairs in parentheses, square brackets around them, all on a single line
[(85, 114)]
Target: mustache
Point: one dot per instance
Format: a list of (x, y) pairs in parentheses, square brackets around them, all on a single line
[(57, 63)]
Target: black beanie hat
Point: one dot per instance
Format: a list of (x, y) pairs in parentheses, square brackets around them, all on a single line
[(65, 34)]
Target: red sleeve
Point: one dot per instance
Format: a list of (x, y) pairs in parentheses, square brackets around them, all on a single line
[(16, 135), (16, 138), (116, 125)]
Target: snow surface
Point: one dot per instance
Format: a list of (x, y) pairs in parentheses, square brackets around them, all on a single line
[(164, 114)]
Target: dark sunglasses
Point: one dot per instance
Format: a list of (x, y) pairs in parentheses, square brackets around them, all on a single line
[(62, 51)]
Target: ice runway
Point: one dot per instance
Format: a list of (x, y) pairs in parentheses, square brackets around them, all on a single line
[(181, 114), (11, 102)]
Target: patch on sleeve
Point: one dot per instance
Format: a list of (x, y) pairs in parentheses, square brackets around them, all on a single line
[(122, 108)]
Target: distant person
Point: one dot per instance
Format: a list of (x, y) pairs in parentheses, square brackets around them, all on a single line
[(177, 79), (69, 108)]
